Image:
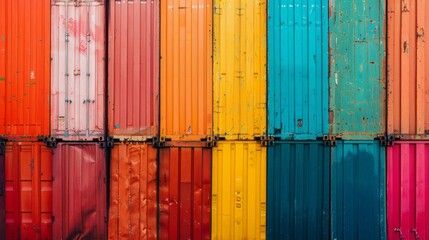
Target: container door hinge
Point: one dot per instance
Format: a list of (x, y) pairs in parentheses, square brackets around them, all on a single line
[(263, 140), (329, 140), (387, 140)]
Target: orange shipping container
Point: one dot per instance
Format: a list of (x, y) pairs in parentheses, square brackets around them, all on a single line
[(133, 207), (28, 191), (408, 71), (24, 68), (186, 69)]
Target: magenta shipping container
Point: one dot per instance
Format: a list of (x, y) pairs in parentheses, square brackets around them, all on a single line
[(77, 68), (133, 69), (408, 190), (79, 191)]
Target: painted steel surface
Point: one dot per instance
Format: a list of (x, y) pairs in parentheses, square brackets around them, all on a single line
[(357, 66), (24, 68), (184, 193), (407, 192), (79, 191), (408, 72), (77, 67), (239, 69), (298, 69), (186, 70), (28, 191), (2, 194), (239, 190), (133, 68), (298, 190), (358, 190), (133, 184)]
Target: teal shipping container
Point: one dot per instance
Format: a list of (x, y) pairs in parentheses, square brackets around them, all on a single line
[(357, 69), (358, 190), (298, 190), (298, 69)]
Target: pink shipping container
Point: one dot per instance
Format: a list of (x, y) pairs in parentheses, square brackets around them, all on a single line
[(77, 68), (2, 193), (79, 192), (408, 190), (133, 69)]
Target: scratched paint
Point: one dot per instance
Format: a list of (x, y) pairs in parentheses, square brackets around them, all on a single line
[(357, 59)]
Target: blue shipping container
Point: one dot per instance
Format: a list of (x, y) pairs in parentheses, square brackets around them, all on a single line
[(298, 69)]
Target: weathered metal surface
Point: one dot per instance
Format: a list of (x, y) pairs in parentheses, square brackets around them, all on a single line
[(186, 70), (358, 190), (298, 190), (28, 191), (79, 191), (408, 72), (357, 66), (2, 194), (133, 68), (239, 84), (77, 68), (298, 69), (24, 68), (184, 192), (407, 190), (133, 192), (239, 190)]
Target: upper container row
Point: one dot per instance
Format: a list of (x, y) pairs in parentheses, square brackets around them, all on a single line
[(173, 73)]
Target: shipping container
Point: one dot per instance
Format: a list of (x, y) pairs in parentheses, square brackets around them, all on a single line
[(24, 68), (28, 191), (77, 68), (408, 72), (133, 191), (407, 192), (298, 190), (186, 70), (184, 192), (358, 190), (133, 68), (357, 81), (298, 69), (2, 193), (239, 82), (239, 190), (79, 191)]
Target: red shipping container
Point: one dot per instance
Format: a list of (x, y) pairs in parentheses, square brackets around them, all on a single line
[(79, 191), (133, 184), (77, 83), (184, 192), (133, 69), (408, 190), (2, 194), (28, 191), (24, 68)]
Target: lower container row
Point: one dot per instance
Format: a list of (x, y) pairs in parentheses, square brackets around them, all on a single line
[(305, 191)]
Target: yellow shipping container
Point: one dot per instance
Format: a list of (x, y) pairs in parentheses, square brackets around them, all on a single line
[(239, 69), (239, 190)]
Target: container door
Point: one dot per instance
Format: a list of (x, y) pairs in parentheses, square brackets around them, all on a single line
[(79, 192), (184, 193), (77, 92), (298, 69)]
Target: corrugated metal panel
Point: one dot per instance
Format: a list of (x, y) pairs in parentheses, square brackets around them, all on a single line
[(298, 190), (184, 193), (239, 69), (357, 68), (358, 190), (239, 190), (79, 192), (2, 194), (77, 91), (28, 191), (133, 184), (186, 69), (24, 68), (298, 69), (407, 192), (133, 68), (408, 72)]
